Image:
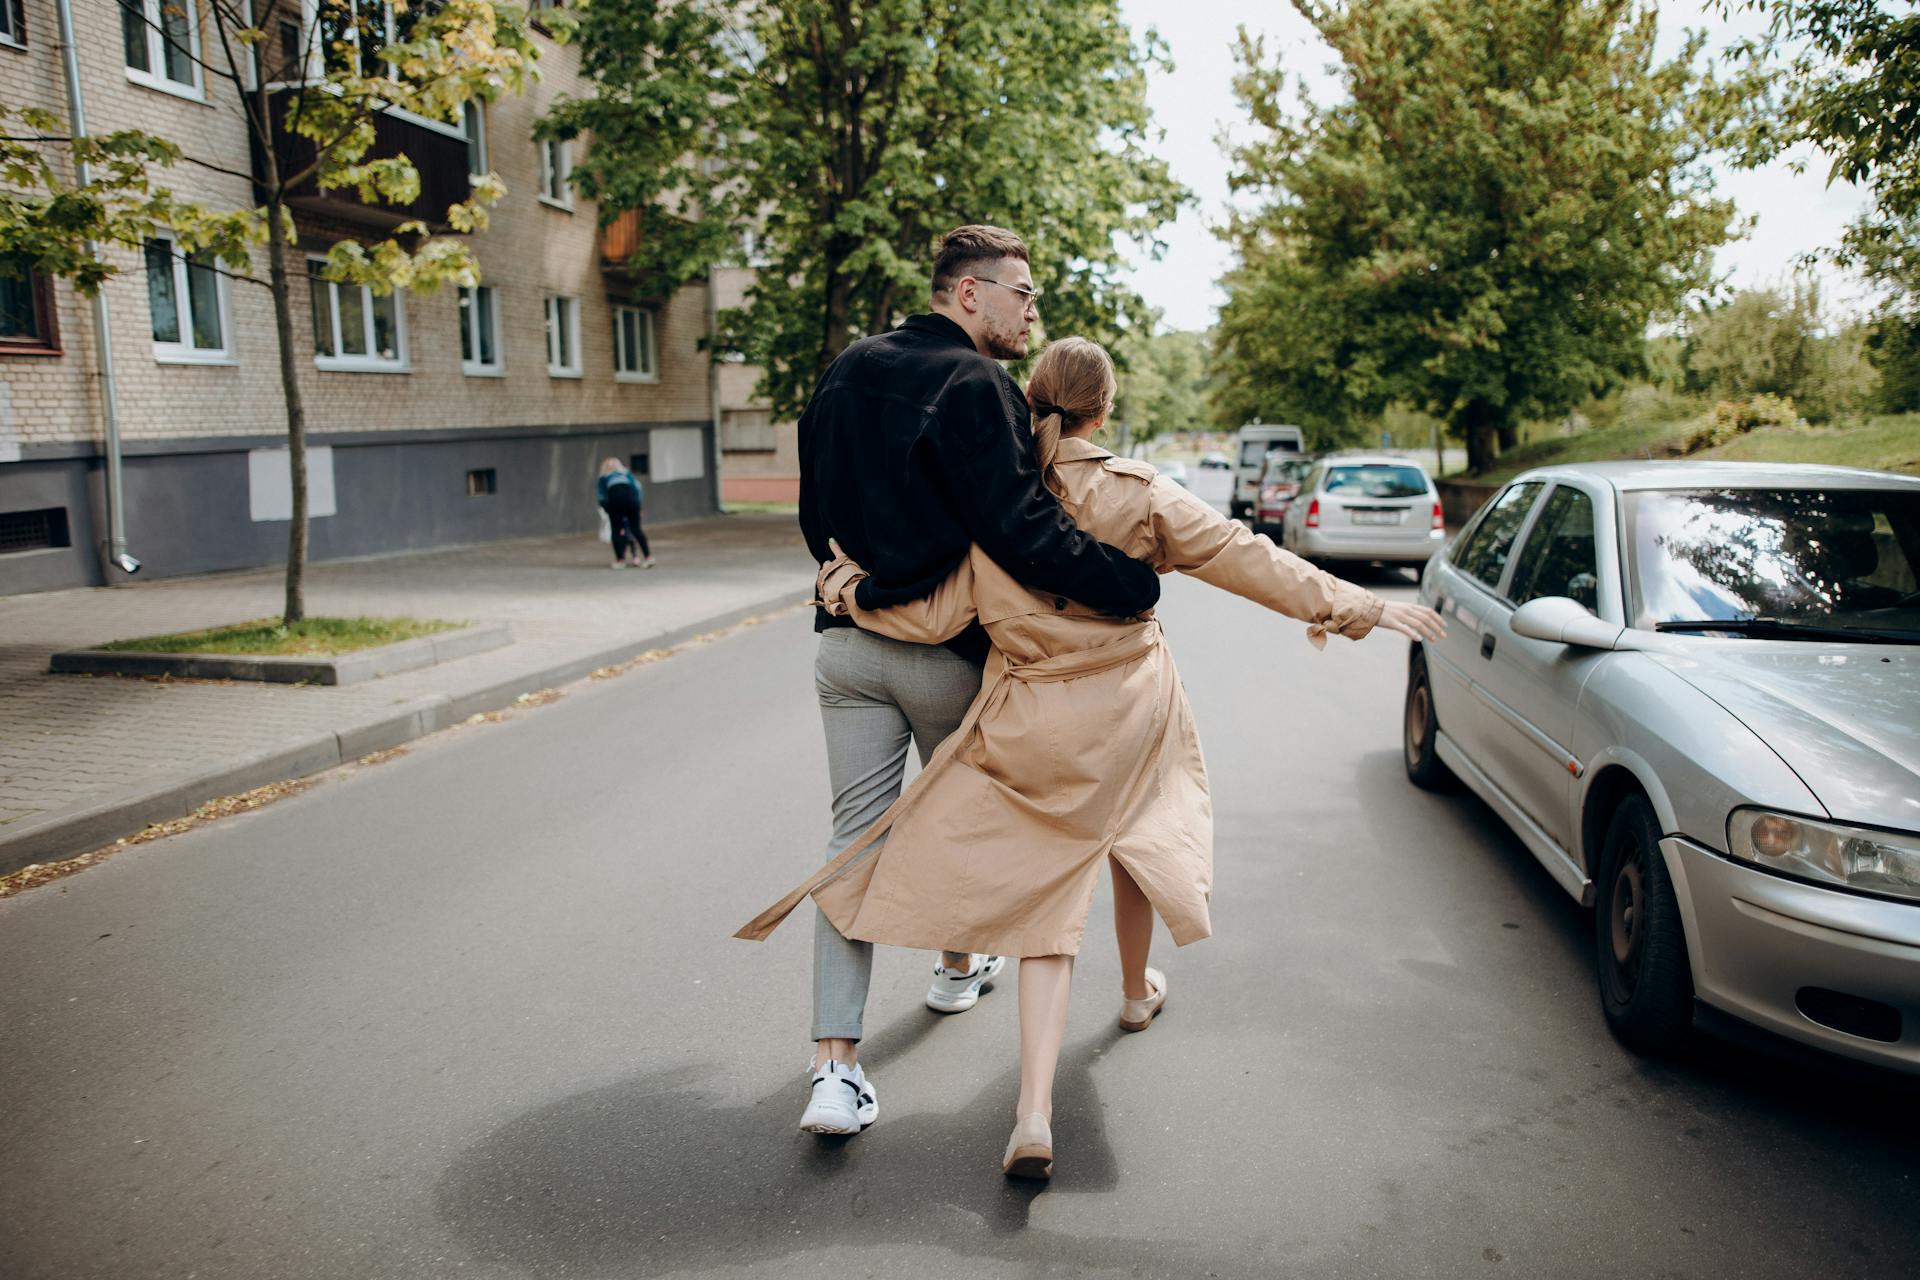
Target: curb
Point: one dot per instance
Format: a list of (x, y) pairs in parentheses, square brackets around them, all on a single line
[(346, 668), (67, 833)]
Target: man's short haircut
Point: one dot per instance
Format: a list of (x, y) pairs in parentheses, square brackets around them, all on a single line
[(964, 250)]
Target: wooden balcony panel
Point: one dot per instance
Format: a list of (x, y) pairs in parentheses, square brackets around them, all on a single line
[(440, 159)]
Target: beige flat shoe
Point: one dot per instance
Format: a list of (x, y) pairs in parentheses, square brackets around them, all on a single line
[(1136, 1014), (1030, 1149)]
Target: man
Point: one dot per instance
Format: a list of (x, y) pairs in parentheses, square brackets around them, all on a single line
[(915, 446)]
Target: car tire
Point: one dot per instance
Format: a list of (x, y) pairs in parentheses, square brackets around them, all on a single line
[(1640, 949), (1420, 729)]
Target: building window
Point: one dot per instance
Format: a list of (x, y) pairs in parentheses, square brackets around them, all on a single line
[(481, 483), (187, 298), (40, 530), (26, 310), (556, 162), (13, 26), (633, 345), (355, 329), (480, 332), (563, 336), (162, 43)]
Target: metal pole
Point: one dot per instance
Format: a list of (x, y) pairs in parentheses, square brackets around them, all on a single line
[(103, 339), (713, 379)]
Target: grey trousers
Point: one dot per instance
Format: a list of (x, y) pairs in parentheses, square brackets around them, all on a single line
[(875, 693)]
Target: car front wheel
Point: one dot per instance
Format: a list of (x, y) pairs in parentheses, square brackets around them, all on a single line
[(1640, 951), (1420, 728)]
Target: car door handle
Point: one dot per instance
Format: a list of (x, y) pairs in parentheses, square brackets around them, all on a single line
[(1486, 644), (1439, 604)]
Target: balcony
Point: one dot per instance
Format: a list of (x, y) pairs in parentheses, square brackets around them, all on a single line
[(618, 241), (438, 155)]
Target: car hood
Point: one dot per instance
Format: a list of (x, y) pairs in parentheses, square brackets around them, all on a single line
[(1843, 717)]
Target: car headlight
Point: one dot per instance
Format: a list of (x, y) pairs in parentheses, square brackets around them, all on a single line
[(1827, 852)]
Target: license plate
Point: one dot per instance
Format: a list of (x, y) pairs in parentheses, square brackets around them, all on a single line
[(1376, 517)]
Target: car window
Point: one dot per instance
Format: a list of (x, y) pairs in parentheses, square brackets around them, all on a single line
[(1838, 557), (1558, 558), (1377, 481), (1484, 556)]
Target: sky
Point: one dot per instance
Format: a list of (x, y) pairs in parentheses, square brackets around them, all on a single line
[(1795, 213)]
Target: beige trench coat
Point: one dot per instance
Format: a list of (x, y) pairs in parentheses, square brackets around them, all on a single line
[(1079, 747)]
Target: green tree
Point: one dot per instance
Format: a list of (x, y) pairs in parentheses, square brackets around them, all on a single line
[(1163, 382), (1484, 225), (1780, 343), (322, 91), (849, 134)]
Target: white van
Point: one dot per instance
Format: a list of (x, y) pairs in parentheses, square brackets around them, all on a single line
[(1257, 440)]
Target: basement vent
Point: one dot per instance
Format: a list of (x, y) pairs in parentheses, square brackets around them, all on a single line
[(638, 464), (480, 483), (33, 530)]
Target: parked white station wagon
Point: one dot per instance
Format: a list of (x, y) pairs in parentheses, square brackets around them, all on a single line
[(1693, 691), (1362, 508)]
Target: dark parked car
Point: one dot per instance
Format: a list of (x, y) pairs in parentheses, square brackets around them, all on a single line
[(1279, 481)]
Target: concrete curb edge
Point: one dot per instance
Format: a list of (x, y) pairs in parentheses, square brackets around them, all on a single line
[(70, 832)]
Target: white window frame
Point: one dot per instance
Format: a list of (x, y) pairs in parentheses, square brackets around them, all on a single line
[(497, 367), (564, 310), (184, 351), (549, 148), (8, 14), (369, 363), (651, 348), (157, 51), (473, 127)]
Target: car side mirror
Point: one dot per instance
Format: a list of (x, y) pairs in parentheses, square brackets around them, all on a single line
[(1561, 620)]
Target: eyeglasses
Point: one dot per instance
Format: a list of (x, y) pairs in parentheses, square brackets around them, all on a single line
[(1031, 295)]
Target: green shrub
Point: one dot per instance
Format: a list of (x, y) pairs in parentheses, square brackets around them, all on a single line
[(1730, 418)]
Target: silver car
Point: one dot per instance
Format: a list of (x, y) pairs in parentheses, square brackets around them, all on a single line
[(1365, 508), (1693, 691)]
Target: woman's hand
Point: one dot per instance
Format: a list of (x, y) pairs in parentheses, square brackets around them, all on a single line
[(1415, 621), (833, 586)]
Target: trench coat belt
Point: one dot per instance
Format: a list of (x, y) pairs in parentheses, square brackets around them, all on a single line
[(1061, 666)]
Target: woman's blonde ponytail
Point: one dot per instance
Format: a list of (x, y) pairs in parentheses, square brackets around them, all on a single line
[(1072, 383)]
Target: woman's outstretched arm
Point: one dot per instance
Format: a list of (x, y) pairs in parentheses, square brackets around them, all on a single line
[(1195, 539), (932, 619)]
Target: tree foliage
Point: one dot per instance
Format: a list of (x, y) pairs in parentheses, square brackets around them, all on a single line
[(849, 134), (1780, 342), (1163, 383), (1481, 228)]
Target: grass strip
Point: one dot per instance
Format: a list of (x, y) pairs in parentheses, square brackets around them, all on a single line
[(269, 636)]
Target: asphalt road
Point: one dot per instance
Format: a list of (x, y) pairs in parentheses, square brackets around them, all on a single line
[(475, 1012)]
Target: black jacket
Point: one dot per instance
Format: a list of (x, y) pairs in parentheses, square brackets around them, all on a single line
[(915, 446)]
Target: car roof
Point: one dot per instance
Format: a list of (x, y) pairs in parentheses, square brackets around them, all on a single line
[(1679, 474), (1371, 460)]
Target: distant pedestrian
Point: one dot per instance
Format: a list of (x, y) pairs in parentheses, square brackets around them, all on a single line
[(620, 496)]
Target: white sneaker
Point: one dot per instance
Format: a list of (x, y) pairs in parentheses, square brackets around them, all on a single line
[(842, 1101), (955, 992)]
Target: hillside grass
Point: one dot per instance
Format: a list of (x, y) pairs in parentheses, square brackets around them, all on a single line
[(1889, 442)]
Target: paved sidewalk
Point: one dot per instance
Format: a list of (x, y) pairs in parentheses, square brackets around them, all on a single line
[(87, 759)]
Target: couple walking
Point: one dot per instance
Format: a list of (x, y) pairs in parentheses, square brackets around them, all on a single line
[(987, 581)]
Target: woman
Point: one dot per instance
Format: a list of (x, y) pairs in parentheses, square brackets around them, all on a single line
[(618, 490), (1079, 750)]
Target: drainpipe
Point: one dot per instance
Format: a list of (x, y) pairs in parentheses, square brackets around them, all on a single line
[(713, 376), (117, 554)]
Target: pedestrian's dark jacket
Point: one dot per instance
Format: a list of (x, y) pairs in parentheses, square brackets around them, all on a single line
[(914, 447), (622, 487)]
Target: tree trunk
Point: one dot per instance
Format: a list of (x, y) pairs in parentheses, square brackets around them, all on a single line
[(1482, 426), (839, 309), (1509, 435), (296, 603)]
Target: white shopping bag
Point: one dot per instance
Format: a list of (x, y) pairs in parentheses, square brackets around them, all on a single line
[(606, 528)]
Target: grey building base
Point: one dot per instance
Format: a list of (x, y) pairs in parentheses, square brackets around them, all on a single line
[(345, 668), (188, 507)]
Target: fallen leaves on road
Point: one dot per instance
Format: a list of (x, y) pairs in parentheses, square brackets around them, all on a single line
[(39, 873)]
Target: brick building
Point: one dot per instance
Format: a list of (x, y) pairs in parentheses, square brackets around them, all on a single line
[(759, 457), (434, 419)]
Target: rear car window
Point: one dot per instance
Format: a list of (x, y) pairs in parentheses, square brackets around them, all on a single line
[(1484, 556), (1376, 482)]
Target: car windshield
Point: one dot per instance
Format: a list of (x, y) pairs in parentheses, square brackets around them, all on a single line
[(1254, 452), (1831, 558), (1383, 481)]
